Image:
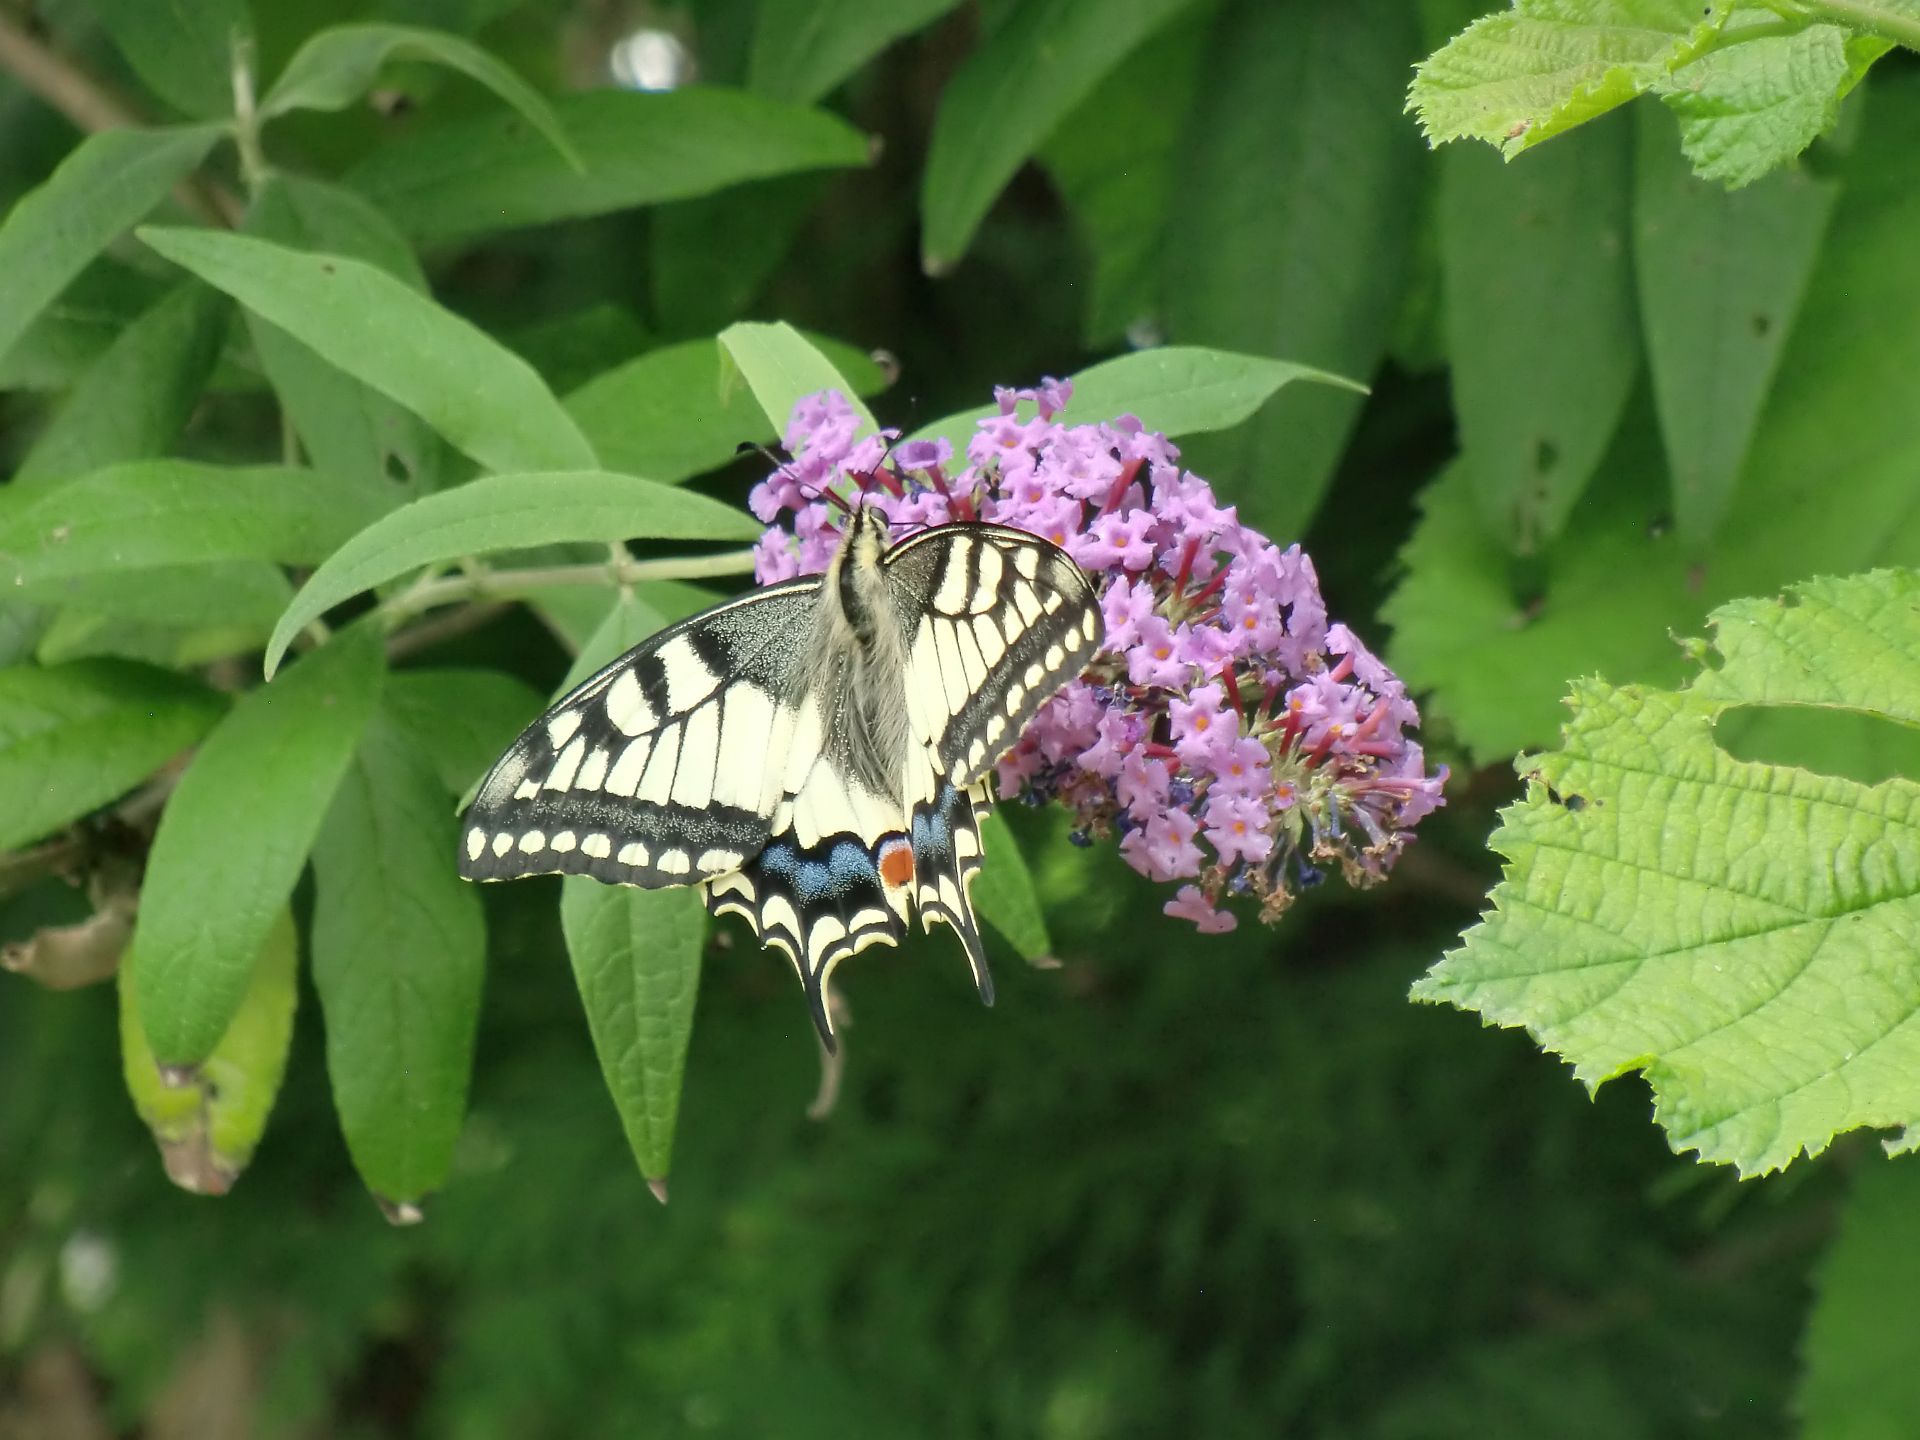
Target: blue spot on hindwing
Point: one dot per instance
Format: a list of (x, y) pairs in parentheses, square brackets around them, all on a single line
[(813, 878)]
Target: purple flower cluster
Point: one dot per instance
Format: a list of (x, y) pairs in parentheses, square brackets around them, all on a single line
[(1227, 733)]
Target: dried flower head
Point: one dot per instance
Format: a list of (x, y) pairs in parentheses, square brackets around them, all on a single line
[(1227, 734)]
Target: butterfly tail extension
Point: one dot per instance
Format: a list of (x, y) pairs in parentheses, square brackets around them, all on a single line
[(819, 904), (946, 857)]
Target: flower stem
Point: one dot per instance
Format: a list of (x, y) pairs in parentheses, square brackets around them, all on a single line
[(621, 569)]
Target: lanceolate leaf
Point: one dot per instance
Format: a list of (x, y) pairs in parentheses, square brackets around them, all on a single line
[(485, 174), (780, 366), (74, 737), (1518, 78), (1721, 276), (134, 400), (208, 1123), (1300, 255), (183, 52), (671, 414), (636, 959), (483, 398), (337, 66), (800, 52), (1046, 58), (235, 836), (1005, 894), (1739, 933), (460, 719), (166, 513), (104, 187), (1538, 402), (398, 949), (1751, 107), (345, 425), (506, 512)]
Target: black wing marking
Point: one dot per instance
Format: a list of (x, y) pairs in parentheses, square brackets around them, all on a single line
[(996, 621), (946, 856), (664, 768)]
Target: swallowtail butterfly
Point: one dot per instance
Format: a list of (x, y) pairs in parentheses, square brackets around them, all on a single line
[(811, 754)]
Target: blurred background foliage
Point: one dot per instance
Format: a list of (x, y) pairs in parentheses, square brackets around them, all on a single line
[(1222, 1186)]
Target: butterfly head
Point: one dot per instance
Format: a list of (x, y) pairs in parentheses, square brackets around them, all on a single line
[(867, 536)]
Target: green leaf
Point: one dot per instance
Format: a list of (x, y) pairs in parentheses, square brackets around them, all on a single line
[(712, 256), (460, 719), (137, 397), (478, 175), (1537, 71), (345, 426), (241, 598), (1177, 390), (1032, 73), (1752, 107), (71, 333), (182, 51), (485, 399), (669, 415), (1496, 643), (636, 959), (338, 65), (208, 1122), (781, 366), (105, 186), (1003, 892), (1721, 276), (74, 737), (150, 514), (506, 512), (399, 950), (1116, 163), (1302, 252), (234, 838), (1858, 1383), (1738, 933), (1538, 401), (800, 52)]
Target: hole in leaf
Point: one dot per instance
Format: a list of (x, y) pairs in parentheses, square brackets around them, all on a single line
[(397, 468), (1846, 743), (1546, 455), (1762, 325)]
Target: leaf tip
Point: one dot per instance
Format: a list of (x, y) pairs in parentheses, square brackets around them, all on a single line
[(400, 1212), (658, 1185)]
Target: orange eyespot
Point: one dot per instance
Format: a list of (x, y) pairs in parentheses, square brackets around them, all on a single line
[(896, 864)]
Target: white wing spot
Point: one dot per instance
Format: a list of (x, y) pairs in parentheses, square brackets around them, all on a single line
[(632, 763), (714, 861), (568, 765), (992, 646), (597, 847), (1025, 602), (689, 681), (951, 597), (533, 842), (1055, 658), (627, 705), (633, 853), (658, 781), (560, 729), (526, 790), (562, 843), (1027, 561), (992, 567), (1034, 676), (674, 862), (693, 782), (476, 843), (593, 774), (502, 843)]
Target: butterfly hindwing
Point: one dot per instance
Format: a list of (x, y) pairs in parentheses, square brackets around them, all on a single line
[(664, 768), (997, 620), (945, 831)]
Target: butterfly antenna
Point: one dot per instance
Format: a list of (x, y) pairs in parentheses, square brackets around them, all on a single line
[(782, 460)]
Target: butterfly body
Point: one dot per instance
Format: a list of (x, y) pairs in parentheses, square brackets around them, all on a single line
[(811, 753)]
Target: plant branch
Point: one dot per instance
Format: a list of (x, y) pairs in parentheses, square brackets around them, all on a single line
[(518, 584), (1901, 27)]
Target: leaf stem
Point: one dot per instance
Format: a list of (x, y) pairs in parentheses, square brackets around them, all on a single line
[(621, 569), (1875, 19), (246, 117)]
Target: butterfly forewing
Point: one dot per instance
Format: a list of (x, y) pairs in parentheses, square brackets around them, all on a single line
[(997, 621), (666, 767)]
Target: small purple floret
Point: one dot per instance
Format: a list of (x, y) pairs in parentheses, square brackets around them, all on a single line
[(1228, 734)]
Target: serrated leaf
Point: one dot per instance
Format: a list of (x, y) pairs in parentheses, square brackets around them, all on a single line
[(155, 514), (669, 415), (1738, 933), (137, 396), (182, 51), (345, 425), (478, 175), (234, 838), (399, 947), (1003, 892), (636, 959), (1031, 73), (1752, 107), (1300, 254), (338, 65), (208, 1124), (1857, 1383), (800, 52), (1177, 389), (74, 737), (105, 186), (1538, 402), (1546, 66), (1495, 644), (485, 399), (1721, 276), (506, 512), (780, 366), (461, 719)]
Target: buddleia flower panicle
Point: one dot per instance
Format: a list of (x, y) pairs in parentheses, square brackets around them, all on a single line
[(1229, 736)]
